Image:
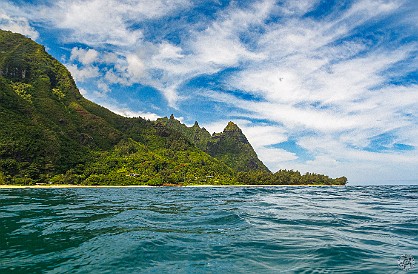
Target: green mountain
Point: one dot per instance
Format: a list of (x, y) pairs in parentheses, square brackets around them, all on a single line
[(50, 133), (230, 146)]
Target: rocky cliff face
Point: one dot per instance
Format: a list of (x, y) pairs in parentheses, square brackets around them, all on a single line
[(232, 147)]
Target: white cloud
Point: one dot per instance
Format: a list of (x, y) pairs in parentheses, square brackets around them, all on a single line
[(109, 58), (96, 23), (135, 66), (122, 109), (297, 7), (83, 74), (114, 77), (131, 113), (168, 51), (219, 45), (102, 22), (85, 56), (103, 86), (17, 24), (83, 91), (93, 22)]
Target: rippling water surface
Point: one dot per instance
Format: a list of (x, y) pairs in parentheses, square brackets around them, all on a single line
[(208, 230)]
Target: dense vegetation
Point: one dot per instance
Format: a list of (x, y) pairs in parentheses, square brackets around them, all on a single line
[(230, 146), (50, 133), (287, 177)]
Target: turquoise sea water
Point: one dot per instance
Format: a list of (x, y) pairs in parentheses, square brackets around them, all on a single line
[(208, 230)]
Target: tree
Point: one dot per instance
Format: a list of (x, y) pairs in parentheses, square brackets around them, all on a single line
[(341, 180), (2, 178)]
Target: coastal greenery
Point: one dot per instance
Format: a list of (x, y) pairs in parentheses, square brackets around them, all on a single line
[(49, 133), (287, 177)]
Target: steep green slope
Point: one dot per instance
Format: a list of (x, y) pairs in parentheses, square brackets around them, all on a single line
[(44, 126), (232, 147)]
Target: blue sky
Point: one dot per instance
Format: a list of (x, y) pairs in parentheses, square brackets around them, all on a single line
[(319, 86)]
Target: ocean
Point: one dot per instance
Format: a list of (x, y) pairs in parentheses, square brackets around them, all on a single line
[(352, 229)]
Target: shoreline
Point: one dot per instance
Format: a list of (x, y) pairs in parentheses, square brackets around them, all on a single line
[(146, 186)]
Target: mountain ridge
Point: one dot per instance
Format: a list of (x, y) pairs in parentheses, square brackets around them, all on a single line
[(230, 146)]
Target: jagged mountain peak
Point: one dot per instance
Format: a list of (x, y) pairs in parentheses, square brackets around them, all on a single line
[(232, 130), (230, 146), (232, 127)]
